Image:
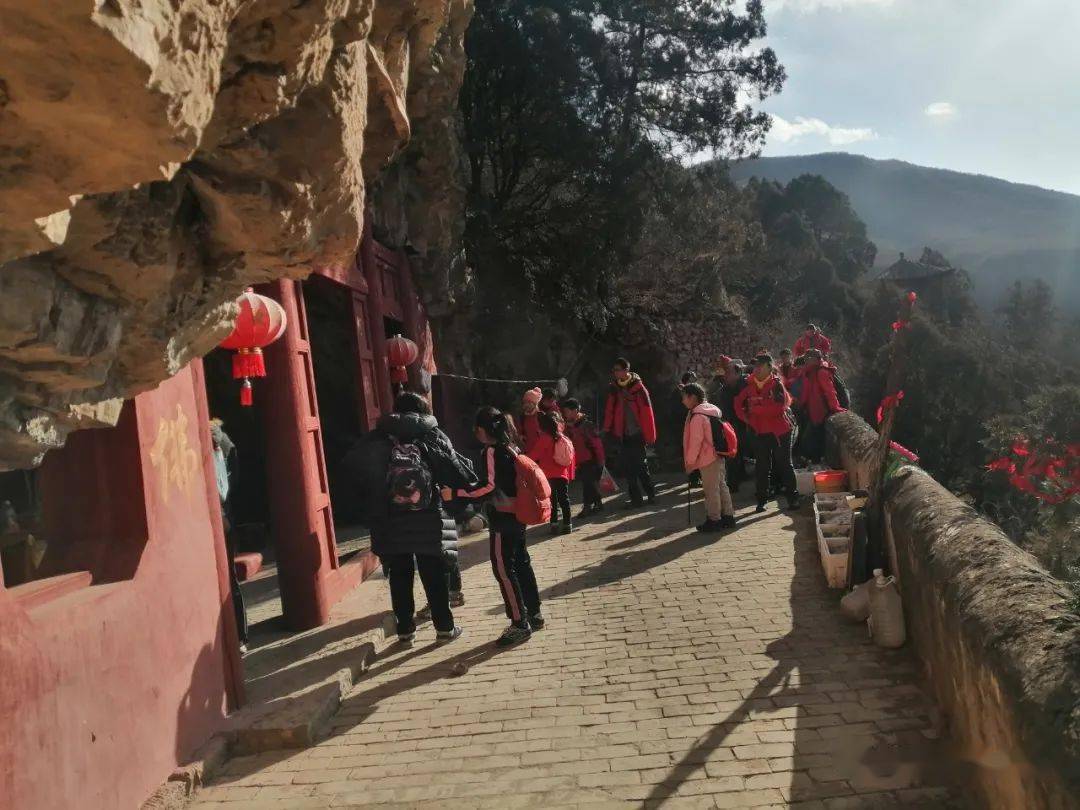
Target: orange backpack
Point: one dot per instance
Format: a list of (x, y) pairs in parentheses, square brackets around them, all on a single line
[(532, 506)]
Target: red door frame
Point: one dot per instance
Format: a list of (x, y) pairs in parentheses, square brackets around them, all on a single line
[(310, 577), (297, 483), (233, 666), (376, 312)]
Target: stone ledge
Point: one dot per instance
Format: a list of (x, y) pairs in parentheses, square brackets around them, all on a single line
[(299, 716), (185, 780), (293, 713), (1002, 652)]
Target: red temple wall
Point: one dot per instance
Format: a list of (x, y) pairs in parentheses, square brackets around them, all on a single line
[(106, 689)]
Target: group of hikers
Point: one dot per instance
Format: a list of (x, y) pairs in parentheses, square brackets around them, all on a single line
[(772, 413), (415, 482)]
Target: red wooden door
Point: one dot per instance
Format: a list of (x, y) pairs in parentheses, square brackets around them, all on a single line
[(297, 482), (365, 359), (310, 426)]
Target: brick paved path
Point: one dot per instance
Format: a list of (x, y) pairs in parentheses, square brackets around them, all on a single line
[(676, 670)]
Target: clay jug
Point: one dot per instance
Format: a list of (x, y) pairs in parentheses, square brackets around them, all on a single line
[(886, 612), (856, 605)]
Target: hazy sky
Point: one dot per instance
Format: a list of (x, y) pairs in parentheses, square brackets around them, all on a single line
[(984, 86)]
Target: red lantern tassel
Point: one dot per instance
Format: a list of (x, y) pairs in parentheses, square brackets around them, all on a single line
[(248, 363), (247, 397), (398, 374)]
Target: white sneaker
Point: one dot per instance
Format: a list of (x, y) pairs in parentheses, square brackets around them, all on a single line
[(446, 636)]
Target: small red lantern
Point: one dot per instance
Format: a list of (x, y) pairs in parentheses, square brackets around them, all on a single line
[(401, 352), (261, 321)]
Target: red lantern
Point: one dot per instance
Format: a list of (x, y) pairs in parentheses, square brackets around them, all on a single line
[(401, 352), (261, 321)]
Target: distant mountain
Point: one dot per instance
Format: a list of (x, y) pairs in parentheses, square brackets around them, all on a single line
[(998, 231)]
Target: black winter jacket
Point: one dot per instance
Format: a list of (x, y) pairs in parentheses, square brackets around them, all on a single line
[(725, 399), (428, 532)]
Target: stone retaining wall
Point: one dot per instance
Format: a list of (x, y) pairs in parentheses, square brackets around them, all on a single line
[(1001, 651)]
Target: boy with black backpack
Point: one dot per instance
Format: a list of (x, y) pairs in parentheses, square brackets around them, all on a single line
[(399, 469), (708, 442)]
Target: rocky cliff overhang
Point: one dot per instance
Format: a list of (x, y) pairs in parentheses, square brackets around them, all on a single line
[(157, 156)]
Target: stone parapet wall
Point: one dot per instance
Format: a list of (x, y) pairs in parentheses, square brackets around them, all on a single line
[(1000, 647)]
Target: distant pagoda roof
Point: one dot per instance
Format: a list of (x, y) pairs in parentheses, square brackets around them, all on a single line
[(904, 270)]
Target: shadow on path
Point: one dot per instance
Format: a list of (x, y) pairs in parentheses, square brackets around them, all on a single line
[(366, 697), (844, 755)]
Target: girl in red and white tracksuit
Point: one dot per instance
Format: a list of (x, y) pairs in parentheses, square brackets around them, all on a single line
[(765, 405), (509, 556), (554, 454)]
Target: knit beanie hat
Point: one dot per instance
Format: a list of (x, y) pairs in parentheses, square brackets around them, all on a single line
[(533, 395)]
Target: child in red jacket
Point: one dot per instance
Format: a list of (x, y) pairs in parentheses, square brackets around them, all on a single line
[(812, 339), (765, 405), (630, 421), (527, 424), (589, 459), (554, 454)]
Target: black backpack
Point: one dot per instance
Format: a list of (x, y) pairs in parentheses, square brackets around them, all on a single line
[(843, 396), (410, 486)]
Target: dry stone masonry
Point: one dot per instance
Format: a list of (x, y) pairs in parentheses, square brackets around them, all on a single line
[(157, 156), (670, 346)]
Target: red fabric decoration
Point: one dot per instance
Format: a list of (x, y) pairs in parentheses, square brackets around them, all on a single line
[(259, 323), (1022, 483), (912, 297), (1051, 475), (903, 451), (401, 352), (248, 363), (887, 404)]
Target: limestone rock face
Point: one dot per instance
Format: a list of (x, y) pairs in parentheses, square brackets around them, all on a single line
[(157, 156), (420, 197)]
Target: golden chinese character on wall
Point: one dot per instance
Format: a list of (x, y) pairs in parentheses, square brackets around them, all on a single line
[(173, 457)]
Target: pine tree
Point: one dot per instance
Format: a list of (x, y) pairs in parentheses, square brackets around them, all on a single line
[(571, 110)]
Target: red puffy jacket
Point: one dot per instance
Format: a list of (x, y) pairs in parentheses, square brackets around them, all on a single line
[(818, 396), (543, 453), (805, 344), (637, 396), (764, 407), (528, 428), (587, 444)]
